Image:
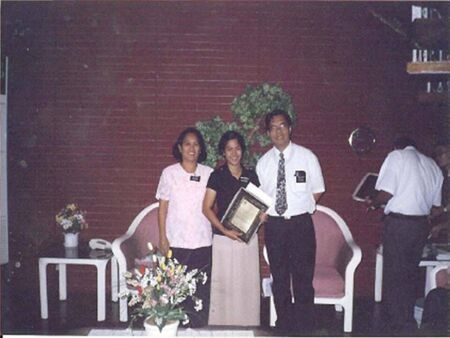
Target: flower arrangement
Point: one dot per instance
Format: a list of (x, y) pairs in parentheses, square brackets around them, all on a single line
[(71, 219), (158, 287)]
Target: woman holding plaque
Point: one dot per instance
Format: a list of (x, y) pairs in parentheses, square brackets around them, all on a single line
[(235, 290), (182, 226)]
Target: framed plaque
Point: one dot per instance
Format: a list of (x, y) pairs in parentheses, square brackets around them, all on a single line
[(243, 213), (366, 188)]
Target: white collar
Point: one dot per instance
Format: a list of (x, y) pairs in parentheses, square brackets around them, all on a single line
[(286, 152)]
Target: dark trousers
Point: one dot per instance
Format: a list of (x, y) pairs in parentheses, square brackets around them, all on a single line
[(201, 259), (403, 242), (291, 249)]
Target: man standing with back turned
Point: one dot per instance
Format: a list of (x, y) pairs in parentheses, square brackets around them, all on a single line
[(292, 176), (409, 185)]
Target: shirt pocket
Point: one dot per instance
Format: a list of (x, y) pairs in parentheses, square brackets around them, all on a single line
[(299, 180)]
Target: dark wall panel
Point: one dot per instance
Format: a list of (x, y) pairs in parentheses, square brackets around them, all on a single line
[(100, 90)]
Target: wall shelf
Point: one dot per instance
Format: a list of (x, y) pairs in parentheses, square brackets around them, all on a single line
[(432, 67), (434, 98)]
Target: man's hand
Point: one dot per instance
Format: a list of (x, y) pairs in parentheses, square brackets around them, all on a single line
[(434, 233), (369, 203)]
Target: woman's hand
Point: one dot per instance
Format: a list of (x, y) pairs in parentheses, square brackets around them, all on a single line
[(164, 245), (233, 234), (263, 217)]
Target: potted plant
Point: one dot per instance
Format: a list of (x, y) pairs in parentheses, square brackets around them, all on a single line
[(72, 220), (249, 109), (157, 289)]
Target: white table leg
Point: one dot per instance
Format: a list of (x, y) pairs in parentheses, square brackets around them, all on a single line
[(114, 278), (378, 275), (62, 282), (43, 288), (101, 283), (428, 276)]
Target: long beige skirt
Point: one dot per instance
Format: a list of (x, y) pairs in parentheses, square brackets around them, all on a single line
[(235, 283)]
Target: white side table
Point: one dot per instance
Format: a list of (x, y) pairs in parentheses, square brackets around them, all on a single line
[(430, 265), (77, 256), (429, 262)]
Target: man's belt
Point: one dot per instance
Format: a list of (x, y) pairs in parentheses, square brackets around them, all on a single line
[(287, 218), (406, 217)]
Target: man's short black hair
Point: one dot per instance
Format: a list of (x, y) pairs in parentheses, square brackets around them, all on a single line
[(190, 130), (231, 135), (274, 113), (403, 141)]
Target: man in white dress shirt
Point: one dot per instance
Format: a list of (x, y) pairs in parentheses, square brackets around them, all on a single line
[(292, 176), (409, 185)]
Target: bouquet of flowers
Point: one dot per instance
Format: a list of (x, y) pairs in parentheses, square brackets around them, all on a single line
[(71, 219), (158, 287)]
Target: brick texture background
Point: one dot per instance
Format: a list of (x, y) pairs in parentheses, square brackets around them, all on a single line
[(99, 91)]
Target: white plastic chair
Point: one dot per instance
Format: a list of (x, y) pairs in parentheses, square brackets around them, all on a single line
[(378, 285), (132, 245), (337, 254)]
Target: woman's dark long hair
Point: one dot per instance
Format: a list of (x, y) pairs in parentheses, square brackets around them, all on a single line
[(190, 130)]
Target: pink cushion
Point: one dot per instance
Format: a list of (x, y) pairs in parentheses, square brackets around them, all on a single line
[(332, 248), (328, 282)]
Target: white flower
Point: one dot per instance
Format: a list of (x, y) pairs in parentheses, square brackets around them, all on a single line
[(150, 246), (164, 299), (198, 305), (66, 224), (204, 277), (158, 321)]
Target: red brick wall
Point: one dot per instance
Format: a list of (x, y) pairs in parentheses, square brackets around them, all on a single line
[(100, 90)]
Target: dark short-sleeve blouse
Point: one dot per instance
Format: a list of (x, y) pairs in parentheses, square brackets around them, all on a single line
[(226, 186)]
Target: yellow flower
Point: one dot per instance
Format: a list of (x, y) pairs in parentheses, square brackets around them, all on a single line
[(169, 254), (71, 206)]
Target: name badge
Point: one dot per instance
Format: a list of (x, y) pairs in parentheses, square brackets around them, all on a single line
[(244, 179), (195, 178), (300, 176)]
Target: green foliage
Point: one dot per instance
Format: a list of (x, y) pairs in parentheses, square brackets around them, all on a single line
[(212, 130), (249, 109)]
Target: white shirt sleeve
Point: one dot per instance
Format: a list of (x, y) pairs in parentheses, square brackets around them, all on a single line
[(387, 180), (317, 183), (163, 190)]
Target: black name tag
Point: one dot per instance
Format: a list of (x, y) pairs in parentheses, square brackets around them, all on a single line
[(195, 178), (244, 179), (300, 176)]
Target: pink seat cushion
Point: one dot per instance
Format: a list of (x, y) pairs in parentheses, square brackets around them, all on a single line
[(330, 240), (328, 282)]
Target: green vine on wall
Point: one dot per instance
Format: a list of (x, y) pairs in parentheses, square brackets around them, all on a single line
[(249, 109)]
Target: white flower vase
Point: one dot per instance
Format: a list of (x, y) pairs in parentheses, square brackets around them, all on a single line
[(71, 240), (71, 252), (169, 330)]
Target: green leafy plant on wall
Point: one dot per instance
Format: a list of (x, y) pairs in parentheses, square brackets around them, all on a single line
[(249, 109)]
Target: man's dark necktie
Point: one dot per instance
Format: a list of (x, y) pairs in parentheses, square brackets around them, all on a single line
[(281, 203)]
